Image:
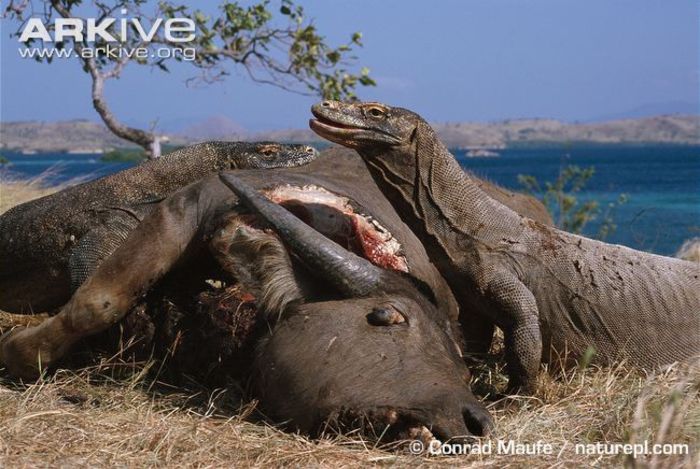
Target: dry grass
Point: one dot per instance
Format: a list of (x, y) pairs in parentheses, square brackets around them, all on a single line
[(91, 418), (690, 250), (16, 191), (88, 418)]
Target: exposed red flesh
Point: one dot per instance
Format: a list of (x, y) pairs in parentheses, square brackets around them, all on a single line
[(334, 216), (374, 248)]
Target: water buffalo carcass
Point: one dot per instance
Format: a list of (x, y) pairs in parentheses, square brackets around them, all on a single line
[(364, 325)]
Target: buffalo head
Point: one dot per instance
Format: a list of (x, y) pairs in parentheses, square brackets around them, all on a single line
[(376, 351)]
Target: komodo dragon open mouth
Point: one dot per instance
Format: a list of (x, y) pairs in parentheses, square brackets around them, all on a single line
[(348, 130), (341, 220)]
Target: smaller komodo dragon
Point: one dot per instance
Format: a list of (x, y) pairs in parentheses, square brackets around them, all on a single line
[(548, 290), (50, 245)]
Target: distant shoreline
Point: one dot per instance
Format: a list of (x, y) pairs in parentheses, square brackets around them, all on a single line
[(87, 137), (563, 145)]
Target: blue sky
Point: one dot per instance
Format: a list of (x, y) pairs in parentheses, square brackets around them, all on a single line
[(449, 60)]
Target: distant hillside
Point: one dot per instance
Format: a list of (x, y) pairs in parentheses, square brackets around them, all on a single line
[(90, 137), (659, 129), (75, 136), (214, 128), (673, 129)]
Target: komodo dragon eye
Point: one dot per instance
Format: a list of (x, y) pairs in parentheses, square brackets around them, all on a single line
[(269, 150), (385, 316), (376, 111)]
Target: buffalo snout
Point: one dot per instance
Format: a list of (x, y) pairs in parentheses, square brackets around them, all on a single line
[(327, 364)]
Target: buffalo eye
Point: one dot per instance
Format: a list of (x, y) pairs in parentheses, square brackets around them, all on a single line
[(385, 316)]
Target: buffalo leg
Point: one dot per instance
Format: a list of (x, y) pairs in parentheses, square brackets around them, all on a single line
[(172, 228)]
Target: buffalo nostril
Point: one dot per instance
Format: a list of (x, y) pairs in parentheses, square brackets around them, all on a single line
[(478, 422), (326, 104)]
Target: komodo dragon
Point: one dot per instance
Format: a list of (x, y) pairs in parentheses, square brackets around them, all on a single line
[(524, 204), (548, 290), (49, 246)]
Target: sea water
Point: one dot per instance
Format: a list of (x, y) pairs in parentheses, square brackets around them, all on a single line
[(662, 183)]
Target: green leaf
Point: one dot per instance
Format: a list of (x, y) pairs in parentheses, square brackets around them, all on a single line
[(561, 200)]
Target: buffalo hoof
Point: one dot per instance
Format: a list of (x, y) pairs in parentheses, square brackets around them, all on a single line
[(19, 355)]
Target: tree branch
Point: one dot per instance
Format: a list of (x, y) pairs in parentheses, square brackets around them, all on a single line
[(147, 140), (15, 8), (295, 57)]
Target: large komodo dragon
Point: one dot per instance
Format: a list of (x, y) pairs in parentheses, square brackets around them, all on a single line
[(49, 246), (548, 290)]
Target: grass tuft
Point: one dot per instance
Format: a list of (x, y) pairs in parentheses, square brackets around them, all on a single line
[(15, 190)]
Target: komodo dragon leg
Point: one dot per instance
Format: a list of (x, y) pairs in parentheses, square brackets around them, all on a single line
[(514, 309), (174, 228), (98, 244)]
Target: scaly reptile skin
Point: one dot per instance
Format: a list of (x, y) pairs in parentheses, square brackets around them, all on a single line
[(548, 290), (49, 246)]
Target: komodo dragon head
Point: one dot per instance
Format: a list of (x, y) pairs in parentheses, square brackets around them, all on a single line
[(365, 126), (395, 143), (266, 155)]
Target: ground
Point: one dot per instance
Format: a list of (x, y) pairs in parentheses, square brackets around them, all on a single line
[(120, 413)]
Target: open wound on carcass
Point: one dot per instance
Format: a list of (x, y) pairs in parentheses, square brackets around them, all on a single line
[(335, 217)]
